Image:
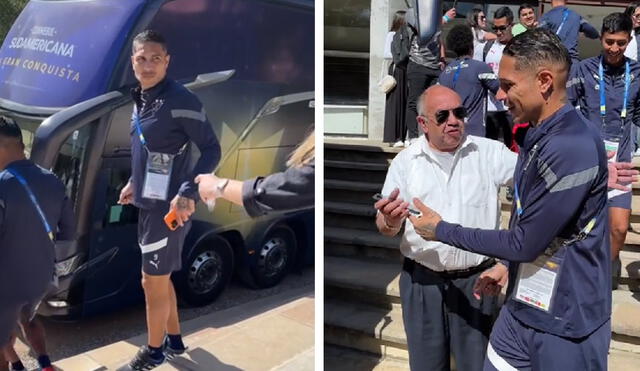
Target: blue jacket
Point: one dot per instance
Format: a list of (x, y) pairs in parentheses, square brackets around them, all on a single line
[(474, 79), (25, 248), (570, 29), (171, 117), (583, 90), (561, 177)]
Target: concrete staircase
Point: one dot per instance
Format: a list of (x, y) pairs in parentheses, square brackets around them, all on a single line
[(363, 319)]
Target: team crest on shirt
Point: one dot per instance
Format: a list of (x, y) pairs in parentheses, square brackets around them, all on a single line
[(155, 106)]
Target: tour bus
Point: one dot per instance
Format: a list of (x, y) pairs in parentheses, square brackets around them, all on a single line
[(65, 77)]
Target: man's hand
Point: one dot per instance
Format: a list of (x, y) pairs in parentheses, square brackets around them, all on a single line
[(425, 225), (126, 194), (393, 209), (184, 207), (491, 281), (207, 187), (621, 173)]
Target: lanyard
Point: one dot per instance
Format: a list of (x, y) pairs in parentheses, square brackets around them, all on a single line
[(33, 200), (136, 121), (580, 236), (565, 15), (457, 73), (627, 82)]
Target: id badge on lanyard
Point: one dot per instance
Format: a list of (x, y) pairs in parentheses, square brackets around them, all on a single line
[(537, 282), (157, 175)]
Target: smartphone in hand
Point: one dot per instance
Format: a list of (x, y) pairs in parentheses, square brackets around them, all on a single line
[(171, 220)]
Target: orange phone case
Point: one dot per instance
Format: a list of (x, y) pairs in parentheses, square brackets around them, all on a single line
[(171, 221)]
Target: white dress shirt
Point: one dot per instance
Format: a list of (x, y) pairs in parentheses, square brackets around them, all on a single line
[(467, 195)]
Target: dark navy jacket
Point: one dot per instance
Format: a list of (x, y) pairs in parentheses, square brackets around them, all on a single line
[(570, 29), (472, 83), (26, 253), (583, 90), (292, 189), (171, 118), (561, 175)]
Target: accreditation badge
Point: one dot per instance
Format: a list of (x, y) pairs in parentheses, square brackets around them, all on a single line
[(537, 282), (157, 175)]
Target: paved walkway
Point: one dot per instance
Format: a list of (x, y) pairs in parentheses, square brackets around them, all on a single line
[(274, 333)]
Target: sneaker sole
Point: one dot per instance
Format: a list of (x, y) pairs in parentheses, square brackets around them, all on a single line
[(170, 353)]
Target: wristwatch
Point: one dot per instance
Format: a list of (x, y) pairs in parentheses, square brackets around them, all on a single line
[(222, 185)]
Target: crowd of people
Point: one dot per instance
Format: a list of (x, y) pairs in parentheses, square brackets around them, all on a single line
[(516, 107)]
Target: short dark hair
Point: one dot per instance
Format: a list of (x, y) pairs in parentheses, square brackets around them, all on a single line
[(617, 22), (460, 40), (148, 36), (632, 8), (536, 48), (502, 12), (9, 128), (525, 6)]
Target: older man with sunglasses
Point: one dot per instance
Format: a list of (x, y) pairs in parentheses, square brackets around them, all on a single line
[(460, 175), (442, 287)]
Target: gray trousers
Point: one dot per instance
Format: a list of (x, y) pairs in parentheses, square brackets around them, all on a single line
[(442, 316)]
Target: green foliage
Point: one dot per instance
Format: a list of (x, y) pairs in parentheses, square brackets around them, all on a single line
[(9, 11)]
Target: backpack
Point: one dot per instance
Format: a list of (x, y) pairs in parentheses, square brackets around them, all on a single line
[(485, 50), (400, 46)]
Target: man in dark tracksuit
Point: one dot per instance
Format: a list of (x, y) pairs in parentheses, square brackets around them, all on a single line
[(615, 124), (34, 211), (567, 24), (558, 308), (166, 118), (469, 78)]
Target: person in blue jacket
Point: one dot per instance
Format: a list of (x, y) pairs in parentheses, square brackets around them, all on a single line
[(34, 212), (607, 91), (558, 307), (469, 78), (567, 24), (166, 119)]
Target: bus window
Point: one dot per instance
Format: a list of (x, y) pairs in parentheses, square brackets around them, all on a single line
[(69, 166), (118, 214)]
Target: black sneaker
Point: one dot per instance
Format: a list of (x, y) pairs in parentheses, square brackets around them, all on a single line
[(171, 352), (144, 361)]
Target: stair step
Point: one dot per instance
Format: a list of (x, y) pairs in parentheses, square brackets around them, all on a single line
[(359, 145), (625, 313), (630, 264), (337, 358), (359, 165), (363, 238), (374, 322), (352, 185), (350, 208), (372, 276)]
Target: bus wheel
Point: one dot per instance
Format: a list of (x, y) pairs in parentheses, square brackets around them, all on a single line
[(276, 255), (206, 272)]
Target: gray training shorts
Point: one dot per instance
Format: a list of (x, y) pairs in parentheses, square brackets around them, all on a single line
[(161, 248)]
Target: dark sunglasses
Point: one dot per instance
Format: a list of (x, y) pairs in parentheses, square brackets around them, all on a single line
[(442, 115), (500, 28), (482, 18)]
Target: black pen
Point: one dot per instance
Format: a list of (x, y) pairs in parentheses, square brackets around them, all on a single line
[(379, 196)]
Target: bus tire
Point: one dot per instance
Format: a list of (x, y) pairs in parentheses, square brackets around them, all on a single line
[(276, 256), (206, 272)]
